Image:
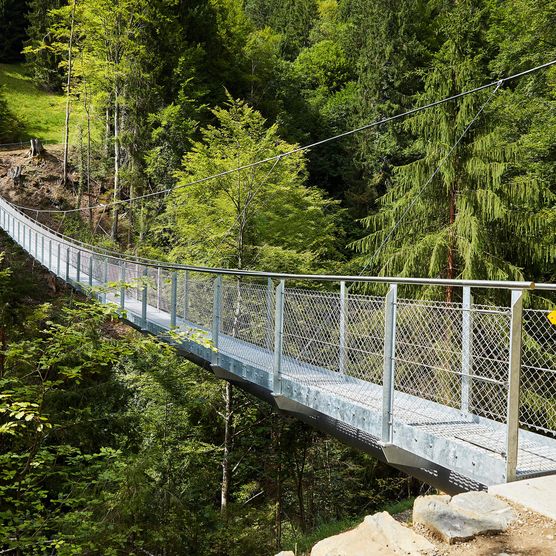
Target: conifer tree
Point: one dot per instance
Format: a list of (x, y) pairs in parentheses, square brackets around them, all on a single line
[(469, 221), (41, 58)]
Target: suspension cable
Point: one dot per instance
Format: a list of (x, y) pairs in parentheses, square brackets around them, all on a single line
[(295, 150)]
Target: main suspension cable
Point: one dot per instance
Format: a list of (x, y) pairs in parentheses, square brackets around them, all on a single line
[(295, 150)]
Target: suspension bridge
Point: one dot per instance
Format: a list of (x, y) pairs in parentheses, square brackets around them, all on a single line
[(460, 394)]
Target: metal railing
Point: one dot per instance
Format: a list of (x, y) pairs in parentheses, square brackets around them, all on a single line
[(24, 144), (396, 354)]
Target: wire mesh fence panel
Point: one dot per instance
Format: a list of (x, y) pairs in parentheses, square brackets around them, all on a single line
[(63, 258), (152, 280), (201, 299), (85, 259), (165, 290), (490, 355), (182, 305), (311, 335), (133, 277), (98, 269), (247, 313), (364, 338), (538, 372), (427, 357)]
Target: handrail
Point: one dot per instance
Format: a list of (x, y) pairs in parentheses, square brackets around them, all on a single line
[(115, 255)]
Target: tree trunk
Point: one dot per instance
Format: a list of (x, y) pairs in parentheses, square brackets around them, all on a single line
[(300, 473), (81, 169), (89, 196), (3, 347), (36, 148), (107, 131), (451, 246), (68, 97), (115, 212), (277, 442), (226, 468)]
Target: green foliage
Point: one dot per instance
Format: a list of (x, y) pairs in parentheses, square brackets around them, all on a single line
[(41, 58), (469, 222), (263, 215), (303, 543), (28, 112), (12, 29)]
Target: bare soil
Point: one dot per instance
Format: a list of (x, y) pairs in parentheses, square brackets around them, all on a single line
[(530, 535), (41, 186)]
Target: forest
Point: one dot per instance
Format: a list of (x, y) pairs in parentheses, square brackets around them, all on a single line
[(110, 442)]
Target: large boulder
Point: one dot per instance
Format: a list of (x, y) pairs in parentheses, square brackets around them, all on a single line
[(379, 535), (463, 516)]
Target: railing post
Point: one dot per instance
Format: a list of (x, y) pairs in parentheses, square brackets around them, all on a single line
[(35, 254), (42, 249), (186, 296), (105, 279), (216, 314), (278, 338), (389, 362), (343, 315), (269, 312), (144, 296), (122, 286), (78, 275), (67, 263), (91, 262), (58, 263), (50, 254), (158, 288), (466, 351), (18, 232), (512, 412), (173, 298)]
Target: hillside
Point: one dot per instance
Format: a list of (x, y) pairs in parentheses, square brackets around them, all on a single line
[(42, 114)]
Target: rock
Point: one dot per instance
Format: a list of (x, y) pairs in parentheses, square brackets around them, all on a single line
[(285, 553), (378, 535), (464, 516)]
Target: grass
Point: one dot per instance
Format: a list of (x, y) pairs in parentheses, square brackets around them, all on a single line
[(41, 114), (303, 544)]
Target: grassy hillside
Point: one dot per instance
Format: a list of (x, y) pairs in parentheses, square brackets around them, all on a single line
[(41, 114)]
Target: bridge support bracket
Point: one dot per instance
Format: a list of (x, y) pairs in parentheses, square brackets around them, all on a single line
[(290, 406), (224, 374), (402, 458)]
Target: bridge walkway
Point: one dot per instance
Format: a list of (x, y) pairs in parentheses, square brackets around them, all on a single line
[(430, 386)]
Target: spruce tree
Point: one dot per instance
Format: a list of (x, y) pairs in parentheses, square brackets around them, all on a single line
[(469, 221), (42, 60)]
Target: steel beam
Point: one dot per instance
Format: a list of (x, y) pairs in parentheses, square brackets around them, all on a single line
[(173, 298), (343, 320), (216, 316), (144, 299), (512, 412), (389, 363), (466, 350), (278, 338)]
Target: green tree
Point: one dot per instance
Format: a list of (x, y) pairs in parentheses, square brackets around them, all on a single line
[(12, 29), (467, 222), (388, 44), (41, 58), (263, 217)]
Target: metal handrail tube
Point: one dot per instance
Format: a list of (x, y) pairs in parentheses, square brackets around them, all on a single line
[(494, 284)]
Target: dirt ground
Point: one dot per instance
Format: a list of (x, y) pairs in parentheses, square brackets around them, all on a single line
[(530, 535), (40, 185)]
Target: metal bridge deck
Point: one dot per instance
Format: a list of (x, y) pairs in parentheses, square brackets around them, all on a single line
[(451, 395), (462, 432)]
